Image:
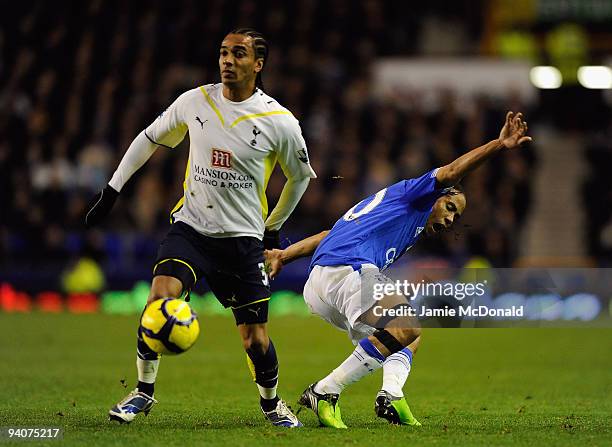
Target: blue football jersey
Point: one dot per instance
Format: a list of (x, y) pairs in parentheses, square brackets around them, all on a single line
[(381, 228)]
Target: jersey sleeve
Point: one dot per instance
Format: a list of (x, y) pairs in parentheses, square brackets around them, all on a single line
[(421, 187), (169, 128), (292, 152)]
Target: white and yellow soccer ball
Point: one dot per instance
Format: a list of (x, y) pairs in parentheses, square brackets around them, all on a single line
[(169, 326)]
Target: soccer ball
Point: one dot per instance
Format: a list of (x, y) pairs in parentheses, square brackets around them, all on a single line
[(169, 326)]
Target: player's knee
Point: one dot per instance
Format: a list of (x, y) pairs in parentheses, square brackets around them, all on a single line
[(157, 294), (164, 287), (407, 336)]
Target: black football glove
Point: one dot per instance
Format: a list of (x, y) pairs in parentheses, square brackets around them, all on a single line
[(100, 206), (271, 239)]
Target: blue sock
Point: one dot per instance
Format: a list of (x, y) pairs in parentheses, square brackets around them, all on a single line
[(372, 350), (408, 353)]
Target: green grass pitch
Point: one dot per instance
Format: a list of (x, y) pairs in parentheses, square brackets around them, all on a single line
[(468, 387)]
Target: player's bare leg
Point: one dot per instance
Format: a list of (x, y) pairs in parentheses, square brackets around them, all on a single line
[(263, 364), (147, 361)]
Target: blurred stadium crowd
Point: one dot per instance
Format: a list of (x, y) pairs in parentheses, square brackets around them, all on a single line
[(78, 81)]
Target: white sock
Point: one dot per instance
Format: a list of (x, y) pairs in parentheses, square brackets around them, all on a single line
[(147, 370), (364, 360), (267, 393), (396, 369)]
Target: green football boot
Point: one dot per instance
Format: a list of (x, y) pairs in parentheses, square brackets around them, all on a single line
[(394, 409), (325, 406)]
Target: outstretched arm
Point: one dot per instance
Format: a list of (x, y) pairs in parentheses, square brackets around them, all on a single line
[(306, 247), (511, 136)]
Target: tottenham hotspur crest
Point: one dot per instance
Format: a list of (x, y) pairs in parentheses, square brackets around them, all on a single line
[(256, 132)]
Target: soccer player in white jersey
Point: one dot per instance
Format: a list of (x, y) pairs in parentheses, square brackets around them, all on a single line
[(348, 262), (221, 224)]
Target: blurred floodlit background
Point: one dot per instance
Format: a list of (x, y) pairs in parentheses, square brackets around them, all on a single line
[(383, 91)]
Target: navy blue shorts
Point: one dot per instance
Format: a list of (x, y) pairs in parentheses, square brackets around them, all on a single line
[(233, 268)]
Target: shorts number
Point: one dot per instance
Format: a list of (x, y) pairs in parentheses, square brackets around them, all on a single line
[(264, 280), (378, 197)]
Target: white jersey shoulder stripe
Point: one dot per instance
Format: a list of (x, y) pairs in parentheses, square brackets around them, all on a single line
[(259, 115), (212, 105), (250, 116)]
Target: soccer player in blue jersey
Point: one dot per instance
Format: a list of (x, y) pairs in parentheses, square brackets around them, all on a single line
[(349, 258)]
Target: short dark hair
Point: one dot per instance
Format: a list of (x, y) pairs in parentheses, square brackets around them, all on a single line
[(455, 190), (260, 45)]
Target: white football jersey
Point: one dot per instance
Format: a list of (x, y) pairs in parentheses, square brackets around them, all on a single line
[(233, 149)]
